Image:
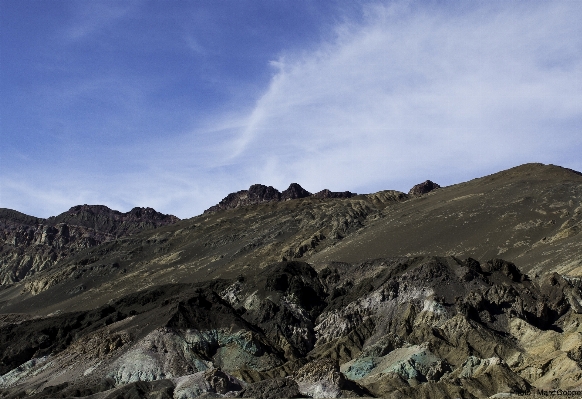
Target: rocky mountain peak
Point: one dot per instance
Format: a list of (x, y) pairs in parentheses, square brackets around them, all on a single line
[(255, 194), (258, 193), (262, 193), (423, 188), (294, 191), (41, 243), (99, 216), (89, 209), (150, 214)]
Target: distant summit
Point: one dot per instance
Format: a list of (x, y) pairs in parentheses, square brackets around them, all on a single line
[(104, 219), (41, 243), (258, 193)]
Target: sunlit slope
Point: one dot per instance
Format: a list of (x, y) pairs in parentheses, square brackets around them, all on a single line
[(531, 215), (217, 245)]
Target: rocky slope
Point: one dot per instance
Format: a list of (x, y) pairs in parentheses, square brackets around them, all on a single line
[(297, 295), (393, 327), (29, 245)]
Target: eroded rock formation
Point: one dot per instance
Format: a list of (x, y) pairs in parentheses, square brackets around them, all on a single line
[(418, 327)]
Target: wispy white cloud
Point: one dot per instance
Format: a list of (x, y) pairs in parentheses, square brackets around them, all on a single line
[(414, 92), (405, 93)]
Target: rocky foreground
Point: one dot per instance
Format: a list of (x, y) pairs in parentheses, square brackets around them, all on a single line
[(400, 327), (468, 291)]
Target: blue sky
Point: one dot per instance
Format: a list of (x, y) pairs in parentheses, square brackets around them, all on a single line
[(174, 104)]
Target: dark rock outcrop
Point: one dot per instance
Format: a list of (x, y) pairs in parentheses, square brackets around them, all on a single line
[(294, 191), (106, 220), (279, 291), (333, 194), (423, 188), (258, 193)]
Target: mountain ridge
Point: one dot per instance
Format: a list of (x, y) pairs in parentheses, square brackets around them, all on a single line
[(259, 193), (471, 291), (33, 244)]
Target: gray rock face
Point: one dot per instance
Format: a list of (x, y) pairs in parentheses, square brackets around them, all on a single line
[(320, 379), (206, 382)]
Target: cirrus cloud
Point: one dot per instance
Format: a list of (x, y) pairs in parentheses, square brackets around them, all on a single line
[(412, 93)]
